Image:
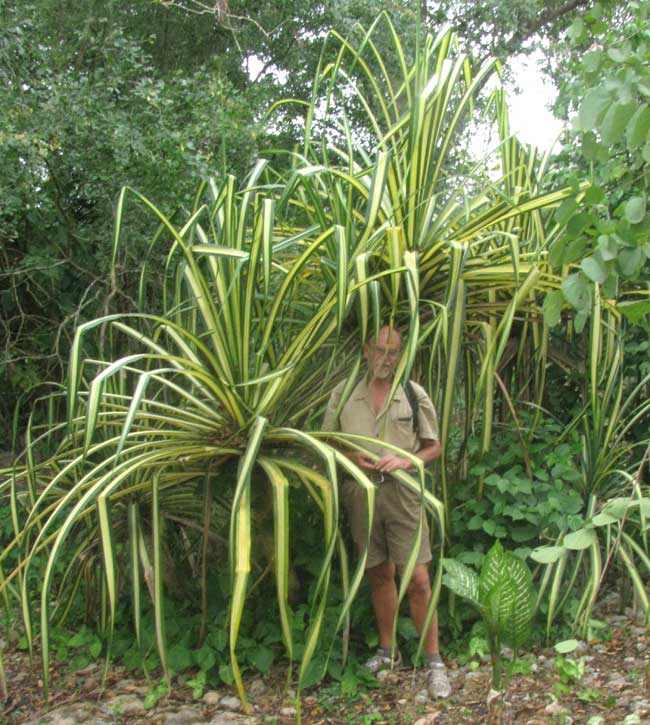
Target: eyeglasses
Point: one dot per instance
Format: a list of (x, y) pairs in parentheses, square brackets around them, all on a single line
[(388, 353)]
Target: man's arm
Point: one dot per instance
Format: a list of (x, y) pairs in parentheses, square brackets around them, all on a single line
[(429, 450)]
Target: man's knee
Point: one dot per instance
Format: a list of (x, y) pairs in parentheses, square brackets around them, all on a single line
[(419, 584), (381, 574)]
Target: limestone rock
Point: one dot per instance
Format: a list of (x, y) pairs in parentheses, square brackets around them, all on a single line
[(211, 697), (123, 705), (256, 688), (229, 702), (428, 719), (421, 697), (186, 715), (555, 709), (71, 715)]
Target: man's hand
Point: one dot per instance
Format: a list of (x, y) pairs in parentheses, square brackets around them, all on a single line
[(362, 460), (390, 463)]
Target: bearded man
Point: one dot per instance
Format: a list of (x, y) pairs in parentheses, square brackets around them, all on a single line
[(368, 411)]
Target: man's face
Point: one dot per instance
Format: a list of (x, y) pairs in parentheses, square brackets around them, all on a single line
[(383, 354)]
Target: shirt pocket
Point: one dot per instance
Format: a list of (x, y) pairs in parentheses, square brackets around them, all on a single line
[(401, 421)]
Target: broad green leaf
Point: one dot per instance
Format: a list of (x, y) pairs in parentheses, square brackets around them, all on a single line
[(630, 261), (565, 210), (635, 312), (462, 580), (645, 152), (615, 121), (576, 30), (547, 554), (635, 209), (592, 108), (594, 195), (618, 55), (594, 267), (580, 539), (617, 507), (566, 646), (577, 291), (603, 519), (638, 127), (590, 146), (556, 252), (592, 60), (553, 303), (607, 247)]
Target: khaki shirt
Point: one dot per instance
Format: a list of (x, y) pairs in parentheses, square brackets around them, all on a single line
[(393, 423)]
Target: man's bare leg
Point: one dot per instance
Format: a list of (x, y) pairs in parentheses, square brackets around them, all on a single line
[(419, 595), (384, 600)]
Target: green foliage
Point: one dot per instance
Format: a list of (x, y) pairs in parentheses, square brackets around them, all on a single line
[(517, 508), (605, 84), (189, 440), (570, 671), (504, 595)]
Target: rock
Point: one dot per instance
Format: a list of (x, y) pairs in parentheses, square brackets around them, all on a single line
[(632, 719), (555, 709), (618, 619), (617, 682), (123, 705), (132, 686), (612, 600), (494, 695), (186, 715), (211, 697), (231, 718), (421, 698), (71, 715), (288, 712), (257, 688), (87, 669), (428, 719), (581, 648), (641, 707), (229, 702)]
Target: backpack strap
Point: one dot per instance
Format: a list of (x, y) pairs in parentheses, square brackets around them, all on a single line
[(412, 397)]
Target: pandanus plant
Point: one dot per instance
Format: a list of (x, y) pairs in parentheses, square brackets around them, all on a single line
[(248, 344), (381, 159)]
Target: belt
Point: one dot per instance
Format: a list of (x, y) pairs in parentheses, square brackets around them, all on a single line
[(380, 477)]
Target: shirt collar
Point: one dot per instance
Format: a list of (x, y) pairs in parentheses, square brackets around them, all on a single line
[(360, 391)]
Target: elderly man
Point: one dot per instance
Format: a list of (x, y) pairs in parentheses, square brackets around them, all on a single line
[(369, 412)]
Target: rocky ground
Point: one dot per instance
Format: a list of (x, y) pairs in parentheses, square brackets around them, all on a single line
[(614, 687)]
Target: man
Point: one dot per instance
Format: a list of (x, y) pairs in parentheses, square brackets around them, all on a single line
[(369, 412)]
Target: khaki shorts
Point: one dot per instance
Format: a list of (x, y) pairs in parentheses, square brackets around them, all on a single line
[(394, 525)]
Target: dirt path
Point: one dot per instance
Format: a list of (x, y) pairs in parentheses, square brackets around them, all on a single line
[(614, 688)]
